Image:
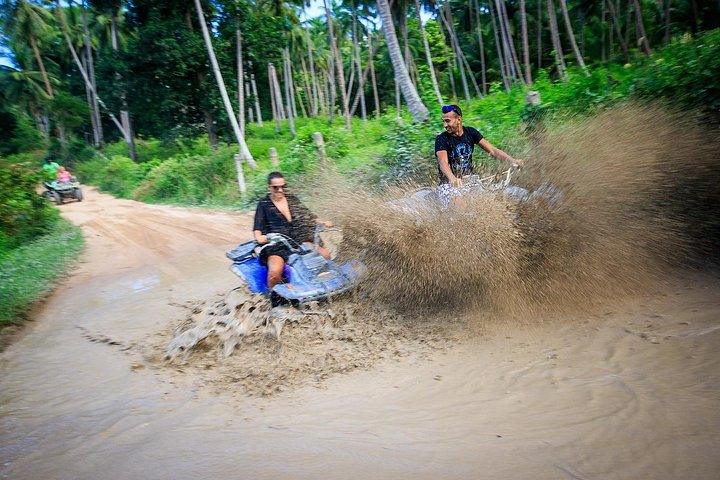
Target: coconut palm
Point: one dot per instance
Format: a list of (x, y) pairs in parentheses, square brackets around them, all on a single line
[(244, 154), (417, 108), (32, 24)]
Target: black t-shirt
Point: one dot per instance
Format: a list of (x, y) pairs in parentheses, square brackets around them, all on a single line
[(269, 219), (459, 150)]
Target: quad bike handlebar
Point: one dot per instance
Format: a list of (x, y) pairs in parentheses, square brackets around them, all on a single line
[(276, 238)]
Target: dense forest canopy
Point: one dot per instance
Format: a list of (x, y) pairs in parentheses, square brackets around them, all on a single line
[(97, 71)]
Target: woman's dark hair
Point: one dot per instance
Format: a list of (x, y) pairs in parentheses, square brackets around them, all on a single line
[(274, 175)]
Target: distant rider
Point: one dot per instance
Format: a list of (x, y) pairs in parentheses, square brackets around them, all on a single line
[(454, 149), (50, 169), (282, 213), (63, 176)]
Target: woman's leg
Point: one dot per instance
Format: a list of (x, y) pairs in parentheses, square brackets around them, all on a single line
[(275, 264)]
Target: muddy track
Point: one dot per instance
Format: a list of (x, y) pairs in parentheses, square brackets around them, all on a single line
[(631, 391)]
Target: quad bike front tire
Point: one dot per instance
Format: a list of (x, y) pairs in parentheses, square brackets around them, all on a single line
[(77, 193), (56, 197)]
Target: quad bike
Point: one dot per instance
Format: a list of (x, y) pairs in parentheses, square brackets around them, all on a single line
[(308, 275), (429, 199), (57, 192)]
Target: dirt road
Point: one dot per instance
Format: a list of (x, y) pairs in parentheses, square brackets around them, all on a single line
[(630, 392)]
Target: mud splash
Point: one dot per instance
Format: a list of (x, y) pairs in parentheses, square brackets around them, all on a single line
[(614, 220), (633, 194), (234, 339)]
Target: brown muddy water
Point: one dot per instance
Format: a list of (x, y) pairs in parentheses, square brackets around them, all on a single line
[(629, 388)]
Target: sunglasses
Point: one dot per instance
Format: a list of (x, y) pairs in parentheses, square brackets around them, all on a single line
[(451, 108), (277, 188)]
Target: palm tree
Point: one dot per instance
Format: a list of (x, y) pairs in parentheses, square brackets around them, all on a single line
[(571, 36), (428, 56), (417, 108), (525, 44), (26, 87), (32, 23), (79, 64), (110, 19), (557, 46), (244, 151), (338, 66), (642, 36)]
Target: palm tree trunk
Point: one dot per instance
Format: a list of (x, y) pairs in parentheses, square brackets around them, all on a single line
[(452, 65), (611, 33), (616, 25), (91, 108), (275, 82), (358, 61), (78, 63), (240, 80), (507, 56), (373, 78), (351, 80), (603, 21), (642, 36), (244, 153), (461, 54), (539, 21), (313, 76), (417, 109), (309, 93), (298, 98), (258, 112), (481, 44), (499, 47), (95, 107), (511, 41), (667, 20), (289, 100), (275, 101), (367, 70), (124, 112), (559, 59), (628, 16), (571, 36), (332, 94), (447, 19), (338, 67), (41, 66), (428, 56), (525, 43)]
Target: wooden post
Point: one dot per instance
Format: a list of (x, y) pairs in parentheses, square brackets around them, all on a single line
[(274, 159), (532, 98), (320, 144)]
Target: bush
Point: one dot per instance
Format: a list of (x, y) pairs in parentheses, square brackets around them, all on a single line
[(24, 214), (29, 271)]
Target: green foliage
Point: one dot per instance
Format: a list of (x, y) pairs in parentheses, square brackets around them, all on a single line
[(382, 151), (28, 272), (24, 214), (687, 72)]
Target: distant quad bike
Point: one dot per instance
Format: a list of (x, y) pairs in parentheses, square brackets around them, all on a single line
[(308, 275), (57, 192)]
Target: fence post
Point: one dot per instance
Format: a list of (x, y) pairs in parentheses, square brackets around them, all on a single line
[(320, 143), (274, 159)]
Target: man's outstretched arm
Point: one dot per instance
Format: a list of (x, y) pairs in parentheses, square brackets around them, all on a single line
[(495, 152), (444, 163)]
